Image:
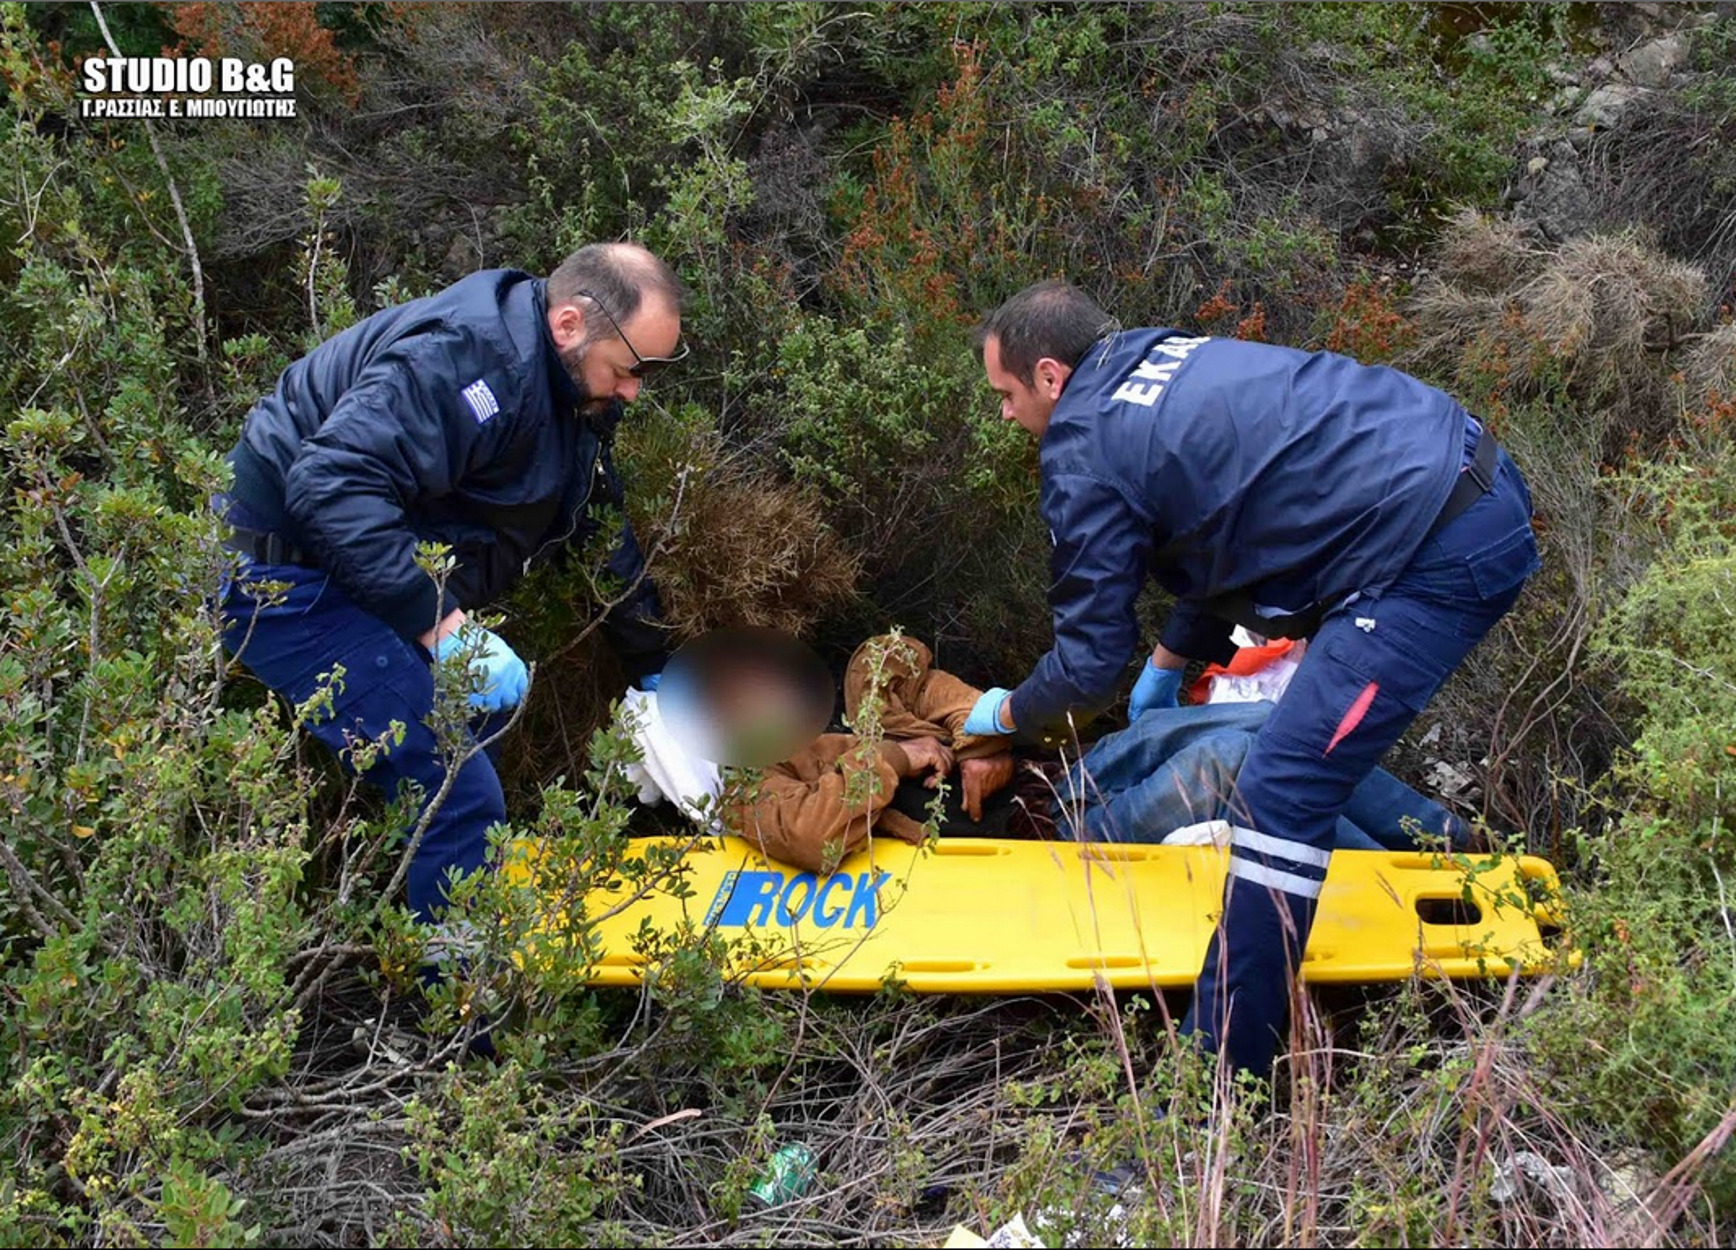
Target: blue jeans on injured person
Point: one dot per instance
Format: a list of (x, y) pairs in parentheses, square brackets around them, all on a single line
[(315, 628), (1371, 668), (1175, 767)]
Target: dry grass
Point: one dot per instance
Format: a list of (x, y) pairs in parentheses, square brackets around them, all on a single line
[(752, 551), (1709, 366), (1419, 1120), (1573, 351), (1488, 255), (1668, 165), (1594, 321)]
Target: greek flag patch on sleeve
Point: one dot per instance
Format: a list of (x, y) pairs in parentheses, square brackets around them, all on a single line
[(481, 400)]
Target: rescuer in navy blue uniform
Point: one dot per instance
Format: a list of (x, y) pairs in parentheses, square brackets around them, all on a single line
[(481, 417), (1296, 493)]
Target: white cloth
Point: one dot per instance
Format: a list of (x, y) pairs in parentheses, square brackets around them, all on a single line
[(666, 769), (1205, 833), (1267, 683)]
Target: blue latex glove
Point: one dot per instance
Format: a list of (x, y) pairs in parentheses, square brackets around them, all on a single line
[(1156, 687), (649, 682), (985, 716), (504, 676)]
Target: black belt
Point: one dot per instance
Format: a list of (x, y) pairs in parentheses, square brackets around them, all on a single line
[(1474, 480), (264, 548)]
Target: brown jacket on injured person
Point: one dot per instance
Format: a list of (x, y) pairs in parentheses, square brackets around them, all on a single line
[(824, 802)]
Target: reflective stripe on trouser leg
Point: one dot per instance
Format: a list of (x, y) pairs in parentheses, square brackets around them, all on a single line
[(1365, 676), (1282, 865), (1243, 996), (1318, 744)]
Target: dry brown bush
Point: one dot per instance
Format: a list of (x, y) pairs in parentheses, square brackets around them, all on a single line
[(728, 545), (1488, 255), (1593, 321), (1605, 297), (1573, 350), (1668, 164), (751, 551), (1709, 366)]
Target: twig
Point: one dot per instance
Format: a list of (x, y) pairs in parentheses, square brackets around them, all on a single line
[(192, 248)]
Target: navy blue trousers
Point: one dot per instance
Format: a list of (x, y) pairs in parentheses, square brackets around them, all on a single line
[(1368, 672), (316, 628)]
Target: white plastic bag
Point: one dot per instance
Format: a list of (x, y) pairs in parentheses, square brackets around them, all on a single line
[(667, 770)]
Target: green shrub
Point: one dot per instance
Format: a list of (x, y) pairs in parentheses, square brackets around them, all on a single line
[(1646, 1045)]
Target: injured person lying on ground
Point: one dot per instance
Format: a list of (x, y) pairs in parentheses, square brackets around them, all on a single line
[(1167, 778)]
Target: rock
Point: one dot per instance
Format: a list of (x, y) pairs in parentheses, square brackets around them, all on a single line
[(1652, 64), (463, 255), (1367, 145), (1604, 107), (1637, 1198), (1564, 100), (1528, 1167), (1449, 781), (1305, 120), (1552, 193)]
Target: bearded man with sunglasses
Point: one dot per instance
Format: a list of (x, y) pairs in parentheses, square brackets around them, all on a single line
[(481, 417)]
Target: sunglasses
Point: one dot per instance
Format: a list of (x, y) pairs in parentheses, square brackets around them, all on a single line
[(643, 365)]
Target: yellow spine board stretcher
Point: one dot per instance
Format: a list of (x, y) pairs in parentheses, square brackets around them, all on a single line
[(991, 916)]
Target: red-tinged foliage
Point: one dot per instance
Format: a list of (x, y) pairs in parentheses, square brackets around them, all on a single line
[(1218, 308), (1253, 326), (261, 31), (1367, 324), (937, 217)]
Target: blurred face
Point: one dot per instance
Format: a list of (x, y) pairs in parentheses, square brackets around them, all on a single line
[(1030, 406), (758, 711), (746, 697), (603, 362)]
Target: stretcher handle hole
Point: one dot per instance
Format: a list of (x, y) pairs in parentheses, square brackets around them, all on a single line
[(1106, 961), (1448, 910), (1104, 852)]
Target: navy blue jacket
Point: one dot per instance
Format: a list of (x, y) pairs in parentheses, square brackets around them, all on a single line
[(447, 419), (1253, 482)]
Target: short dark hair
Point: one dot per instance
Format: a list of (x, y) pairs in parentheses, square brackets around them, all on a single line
[(1045, 319), (618, 274)]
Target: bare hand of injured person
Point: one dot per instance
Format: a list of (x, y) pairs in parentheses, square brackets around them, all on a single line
[(982, 777), (927, 755)]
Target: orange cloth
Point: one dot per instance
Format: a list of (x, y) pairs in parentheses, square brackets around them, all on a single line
[(1245, 663)]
